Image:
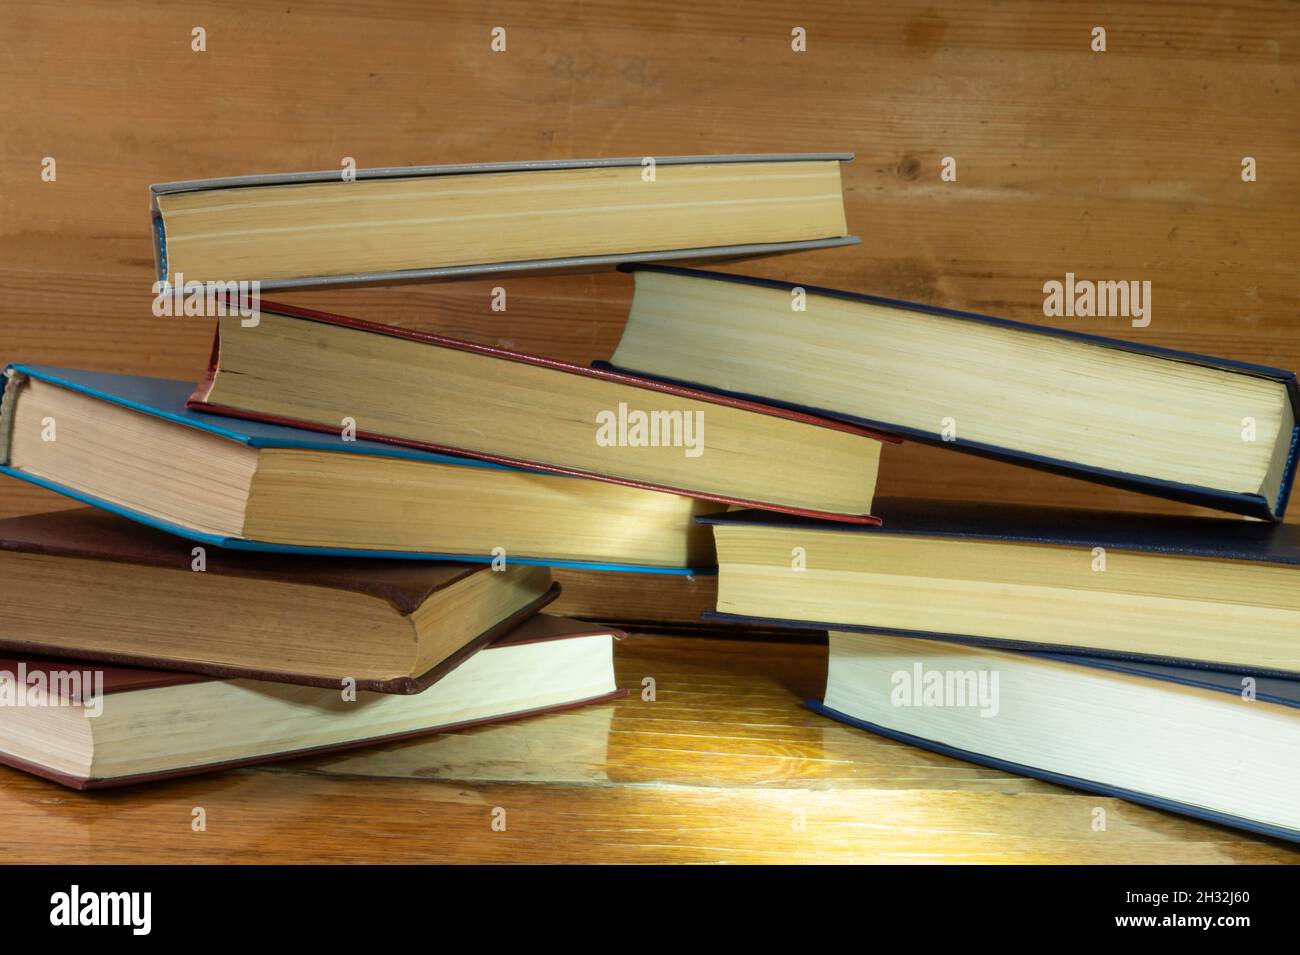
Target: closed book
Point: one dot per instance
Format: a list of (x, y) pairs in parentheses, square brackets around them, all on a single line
[(1204, 592), (89, 726), (128, 444), (90, 584), (393, 385), (1209, 431), (427, 222), (1216, 746)]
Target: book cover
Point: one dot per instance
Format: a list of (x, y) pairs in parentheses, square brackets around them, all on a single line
[(198, 402), (487, 268), (165, 399), (1250, 504), (540, 628), (89, 534), (1211, 538), (1269, 691)]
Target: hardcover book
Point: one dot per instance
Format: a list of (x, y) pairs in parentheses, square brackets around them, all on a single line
[(1207, 431), (320, 371), (421, 222), (89, 584), (1204, 592), (130, 445), (90, 727), (1206, 744)]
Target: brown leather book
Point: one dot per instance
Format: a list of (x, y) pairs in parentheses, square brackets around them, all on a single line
[(89, 726), (95, 586)]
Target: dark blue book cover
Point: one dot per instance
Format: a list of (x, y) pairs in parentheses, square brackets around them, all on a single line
[(1213, 538), (1274, 692), (1216, 538), (1251, 504)]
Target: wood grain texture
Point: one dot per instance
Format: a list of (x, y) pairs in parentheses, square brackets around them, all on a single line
[(724, 766), (1115, 165)]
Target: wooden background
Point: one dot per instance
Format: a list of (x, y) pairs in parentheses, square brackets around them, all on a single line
[(1117, 165)]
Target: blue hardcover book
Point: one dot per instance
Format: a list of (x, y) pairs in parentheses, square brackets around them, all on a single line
[(1213, 745), (129, 445), (1201, 592), (1208, 431)]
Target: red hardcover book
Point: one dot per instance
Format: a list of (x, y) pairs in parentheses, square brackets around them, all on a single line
[(359, 379), (89, 726)]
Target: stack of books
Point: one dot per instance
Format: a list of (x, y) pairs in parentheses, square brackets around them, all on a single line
[(344, 532), (1151, 657)]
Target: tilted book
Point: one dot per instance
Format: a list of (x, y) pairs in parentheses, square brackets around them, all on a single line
[(88, 726), (128, 444), (1209, 431), (394, 385), (89, 584), (353, 226), (1216, 746)]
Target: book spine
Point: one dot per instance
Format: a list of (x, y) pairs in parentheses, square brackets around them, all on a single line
[(12, 381), (1288, 476)]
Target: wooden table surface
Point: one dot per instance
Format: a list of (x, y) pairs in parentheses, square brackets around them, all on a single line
[(1123, 164), (724, 766)]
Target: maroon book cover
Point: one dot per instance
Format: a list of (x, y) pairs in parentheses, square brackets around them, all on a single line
[(540, 628), (199, 402), (90, 534)]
